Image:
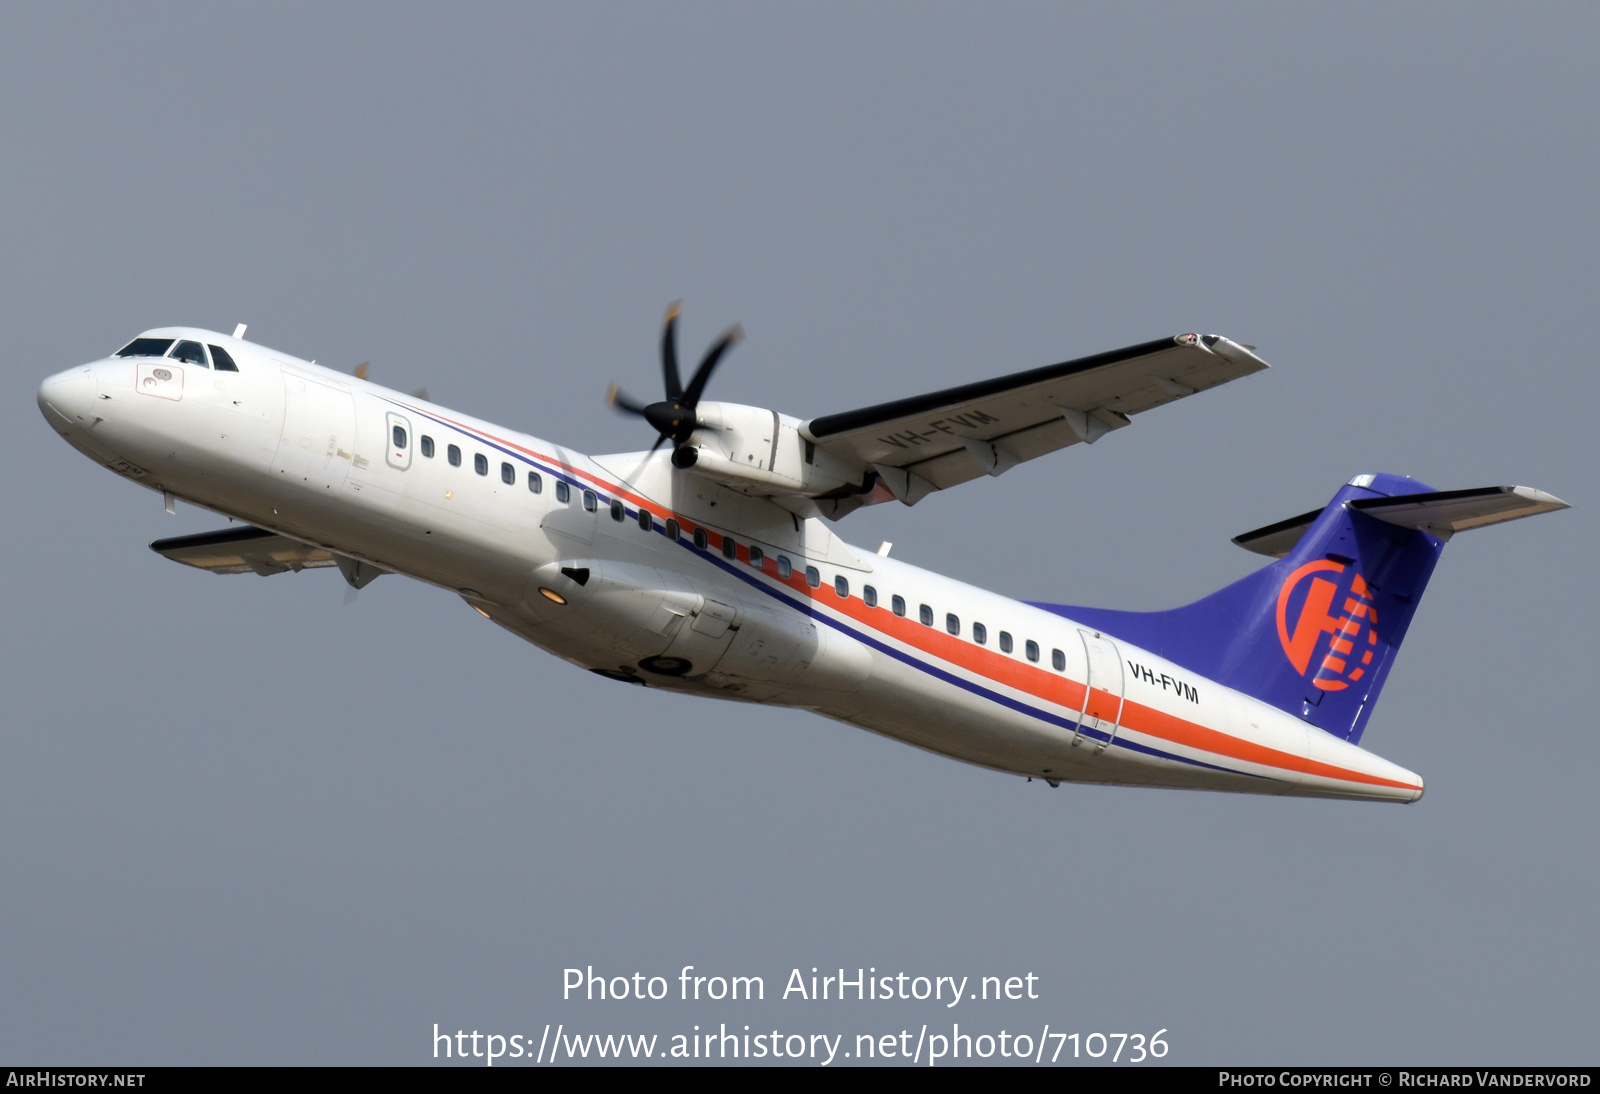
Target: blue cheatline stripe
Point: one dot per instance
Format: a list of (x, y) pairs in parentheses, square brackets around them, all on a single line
[(553, 472), (810, 609)]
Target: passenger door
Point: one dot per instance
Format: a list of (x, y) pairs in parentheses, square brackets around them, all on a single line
[(1103, 712)]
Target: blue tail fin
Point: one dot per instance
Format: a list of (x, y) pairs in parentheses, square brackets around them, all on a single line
[(1314, 633)]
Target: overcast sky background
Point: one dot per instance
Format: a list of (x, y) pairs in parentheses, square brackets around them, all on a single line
[(242, 822)]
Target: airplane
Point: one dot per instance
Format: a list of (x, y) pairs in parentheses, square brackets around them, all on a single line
[(710, 569)]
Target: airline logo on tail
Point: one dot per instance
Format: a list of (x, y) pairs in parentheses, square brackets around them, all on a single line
[(1327, 624)]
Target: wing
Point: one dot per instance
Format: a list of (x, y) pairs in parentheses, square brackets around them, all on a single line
[(246, 550), (910, 447)]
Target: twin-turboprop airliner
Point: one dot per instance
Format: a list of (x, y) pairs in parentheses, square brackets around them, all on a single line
[(707, 565)]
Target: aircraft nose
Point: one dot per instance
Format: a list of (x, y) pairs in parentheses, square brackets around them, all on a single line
[(67, 399)]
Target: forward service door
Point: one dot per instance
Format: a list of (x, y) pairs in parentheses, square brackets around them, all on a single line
[(319, 425)]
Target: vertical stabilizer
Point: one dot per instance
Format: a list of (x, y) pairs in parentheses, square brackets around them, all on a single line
[(1314, 633)]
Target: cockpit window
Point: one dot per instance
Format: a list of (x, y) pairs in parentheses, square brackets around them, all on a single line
[(145, 347), (191, 352), (221, 360)]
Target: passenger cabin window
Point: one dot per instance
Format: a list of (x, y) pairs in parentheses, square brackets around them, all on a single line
[(426, 444), (897, 604), (1005, 641), (589, 500), (869, 596), (841, 585), (508, 474), (399, 436), (480, 463), (647, 523), (146, 347), (813, 578), (758, 557), (563, 493), (925, 614), (980, 633), (618, 514), (952, 623), (1032, 650), (701, 539), (785, 567), (730, 549), (190, 352), (535, 483), (674, 530), (454, 455), (1058, 660)]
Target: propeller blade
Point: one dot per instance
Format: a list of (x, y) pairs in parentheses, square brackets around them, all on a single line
[(617, 399), (361, 370), (421, 393), (697, 384), (674, 418), (669, 353)]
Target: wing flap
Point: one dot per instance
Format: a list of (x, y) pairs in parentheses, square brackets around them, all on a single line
[(246, 550)]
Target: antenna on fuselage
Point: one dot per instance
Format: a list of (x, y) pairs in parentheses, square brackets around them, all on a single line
[(238, 332)]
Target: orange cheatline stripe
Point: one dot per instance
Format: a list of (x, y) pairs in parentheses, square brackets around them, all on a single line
[(1169, 727), (1020, 675), (1103, 704)]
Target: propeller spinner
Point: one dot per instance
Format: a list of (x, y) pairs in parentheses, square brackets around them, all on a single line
[(674, 417)]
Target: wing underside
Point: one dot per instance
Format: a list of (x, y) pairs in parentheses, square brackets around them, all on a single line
[(935, 441), (246, 550)]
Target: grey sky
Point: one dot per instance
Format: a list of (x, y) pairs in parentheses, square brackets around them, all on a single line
[(242, 822)]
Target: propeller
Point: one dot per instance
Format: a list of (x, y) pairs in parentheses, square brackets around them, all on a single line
[(674, 417)]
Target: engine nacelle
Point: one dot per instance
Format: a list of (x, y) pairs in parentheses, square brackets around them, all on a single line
[(756, 451)]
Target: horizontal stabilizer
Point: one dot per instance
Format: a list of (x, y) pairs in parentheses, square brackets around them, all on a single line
[(1441, 513), (1449, 511), (1277, 540), (246, 550)]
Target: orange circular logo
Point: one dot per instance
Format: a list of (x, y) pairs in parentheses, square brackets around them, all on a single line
[(1328, 624)]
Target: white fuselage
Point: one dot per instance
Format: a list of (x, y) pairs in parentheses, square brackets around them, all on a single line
[(309, 453)]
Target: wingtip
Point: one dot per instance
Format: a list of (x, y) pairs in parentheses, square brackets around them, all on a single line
[(1549, 501)]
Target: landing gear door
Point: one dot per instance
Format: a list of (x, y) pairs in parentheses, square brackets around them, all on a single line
[(1102, 714), (702, 643)]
